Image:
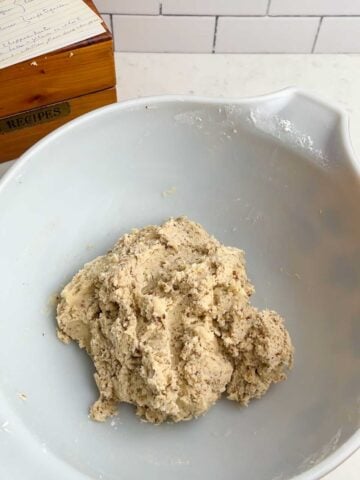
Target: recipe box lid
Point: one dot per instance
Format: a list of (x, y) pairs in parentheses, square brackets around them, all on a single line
[(75, 70)]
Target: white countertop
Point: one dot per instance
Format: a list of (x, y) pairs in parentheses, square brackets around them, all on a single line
[(334, 77)]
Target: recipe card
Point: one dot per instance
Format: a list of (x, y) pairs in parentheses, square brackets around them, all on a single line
[(29, 28)]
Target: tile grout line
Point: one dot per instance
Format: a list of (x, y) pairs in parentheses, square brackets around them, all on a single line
[(209, 15), (112, 26), (268, 8), (316, 35), (215, 33)]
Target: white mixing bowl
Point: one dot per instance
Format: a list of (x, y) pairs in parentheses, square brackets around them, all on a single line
[(273, 175)]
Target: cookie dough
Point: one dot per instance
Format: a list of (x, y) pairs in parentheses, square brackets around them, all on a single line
[(166, 318)]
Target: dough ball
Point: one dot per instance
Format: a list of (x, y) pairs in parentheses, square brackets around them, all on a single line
[(167, 320)]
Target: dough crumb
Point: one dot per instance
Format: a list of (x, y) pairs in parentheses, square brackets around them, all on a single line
[(169, 192), (166, 318)]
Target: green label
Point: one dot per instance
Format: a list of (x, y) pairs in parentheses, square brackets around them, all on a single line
[(34, 117)]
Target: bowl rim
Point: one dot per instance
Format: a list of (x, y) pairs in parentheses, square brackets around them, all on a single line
[(287, 94)]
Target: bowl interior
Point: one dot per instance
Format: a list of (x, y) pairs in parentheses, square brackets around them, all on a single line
[(130, 167)]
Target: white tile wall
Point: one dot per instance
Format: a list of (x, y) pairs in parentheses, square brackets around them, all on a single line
[(339, 35), (163, 34), (256, 26), (264, 34), (215, 7), (314, 7), (144, 7), (107, 19)]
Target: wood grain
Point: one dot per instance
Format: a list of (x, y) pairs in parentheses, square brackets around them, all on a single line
[(13, 144), (78, 69)]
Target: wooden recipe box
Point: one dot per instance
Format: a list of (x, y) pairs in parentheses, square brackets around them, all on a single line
[(39, 95)]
